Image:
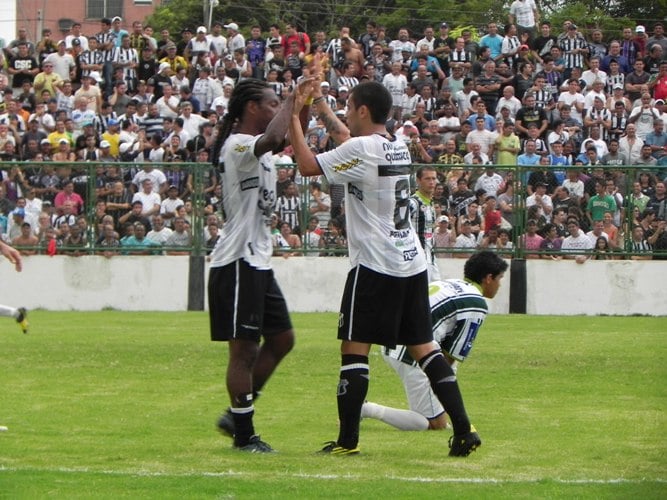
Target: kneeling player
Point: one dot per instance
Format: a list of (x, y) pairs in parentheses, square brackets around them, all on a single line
[(458, 310)]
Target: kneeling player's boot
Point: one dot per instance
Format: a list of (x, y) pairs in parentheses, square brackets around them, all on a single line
[(226, 424), (464, 444), (333, 448), (22, 319)]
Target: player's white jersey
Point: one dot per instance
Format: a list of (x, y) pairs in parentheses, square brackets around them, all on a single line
[(248, 198), (458, 310), (376, 174)]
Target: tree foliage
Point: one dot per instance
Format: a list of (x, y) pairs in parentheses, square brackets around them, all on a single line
[(330, 15)]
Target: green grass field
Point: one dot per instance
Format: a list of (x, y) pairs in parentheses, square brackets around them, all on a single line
[(123, 405)]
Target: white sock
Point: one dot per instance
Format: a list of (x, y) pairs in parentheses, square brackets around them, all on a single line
[(404, 420), (8, 312)]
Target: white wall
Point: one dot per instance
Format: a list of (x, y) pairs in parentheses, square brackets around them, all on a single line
[(316, 283), (8, 20)]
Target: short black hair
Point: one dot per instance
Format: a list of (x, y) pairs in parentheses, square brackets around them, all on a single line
[(483, 263), (376, 97)]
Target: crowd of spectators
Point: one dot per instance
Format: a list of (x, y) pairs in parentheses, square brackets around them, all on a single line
[(572, 106)]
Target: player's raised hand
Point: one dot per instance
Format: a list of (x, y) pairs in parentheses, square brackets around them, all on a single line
[(12, 255)]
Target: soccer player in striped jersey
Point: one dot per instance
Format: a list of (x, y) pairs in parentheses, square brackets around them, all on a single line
[(458, 310), (385, 300)]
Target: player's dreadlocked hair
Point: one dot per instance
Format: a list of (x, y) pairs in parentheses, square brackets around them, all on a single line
[(244, 92)]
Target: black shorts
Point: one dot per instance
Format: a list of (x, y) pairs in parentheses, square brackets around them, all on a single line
[(385, 310), (245, 303)]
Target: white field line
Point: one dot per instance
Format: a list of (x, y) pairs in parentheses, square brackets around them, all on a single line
[(330, 477)]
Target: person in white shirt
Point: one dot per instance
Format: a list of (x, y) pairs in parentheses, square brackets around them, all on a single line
[(63, 63), (508, 99), (396, 83), (577, 242), (167, 105), (150, 200)]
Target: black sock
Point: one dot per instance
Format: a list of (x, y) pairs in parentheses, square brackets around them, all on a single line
[(443, 383), (352, 390), (243, 411)]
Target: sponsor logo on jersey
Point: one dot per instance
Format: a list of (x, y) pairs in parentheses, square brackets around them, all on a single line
[(409, 255), (252, 183), (395, 153), (240, 148), (347, 165), (399, 234)]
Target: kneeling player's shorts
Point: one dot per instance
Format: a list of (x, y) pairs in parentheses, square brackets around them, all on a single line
[(245, 303), (385, 310)]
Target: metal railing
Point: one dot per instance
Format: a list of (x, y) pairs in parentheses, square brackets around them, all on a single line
[(90, 177)]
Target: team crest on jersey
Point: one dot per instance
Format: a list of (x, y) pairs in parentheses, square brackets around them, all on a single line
[(240, 148), (347, 165)]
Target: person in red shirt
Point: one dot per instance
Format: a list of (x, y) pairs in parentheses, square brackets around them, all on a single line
[(660, 83), (68, 194), (492, 216), (292, 34)]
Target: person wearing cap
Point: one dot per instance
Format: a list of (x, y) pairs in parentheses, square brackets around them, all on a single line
[(112, 137), (172, 58), (235, 40), (198, 46), (64, 152), (160, 80), (89, 92), (117, 30)]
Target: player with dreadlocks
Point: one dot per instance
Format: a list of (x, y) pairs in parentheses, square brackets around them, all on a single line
[(245, 302)]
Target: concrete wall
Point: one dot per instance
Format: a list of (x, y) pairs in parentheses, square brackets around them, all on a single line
[(316, 283)]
